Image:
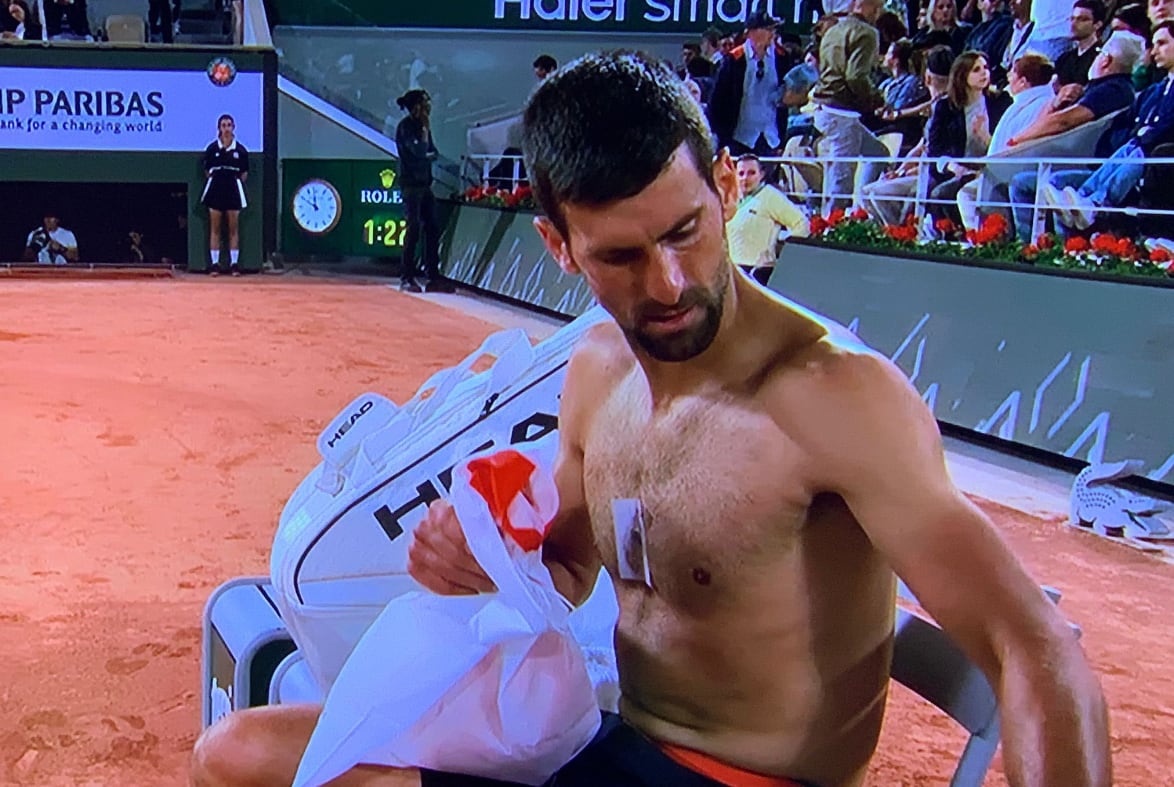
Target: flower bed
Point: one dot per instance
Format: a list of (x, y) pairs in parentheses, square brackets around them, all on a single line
[(1103, 253), (491, 196)]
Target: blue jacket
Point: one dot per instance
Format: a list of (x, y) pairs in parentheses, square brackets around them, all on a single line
[(1153, 116)]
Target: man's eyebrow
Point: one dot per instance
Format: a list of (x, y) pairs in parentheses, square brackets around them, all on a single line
[(619, 251)]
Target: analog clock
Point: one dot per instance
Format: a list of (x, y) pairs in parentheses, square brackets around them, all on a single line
[(316, 206)]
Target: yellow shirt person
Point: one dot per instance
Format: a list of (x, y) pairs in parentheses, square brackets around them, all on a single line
[(753, 232)]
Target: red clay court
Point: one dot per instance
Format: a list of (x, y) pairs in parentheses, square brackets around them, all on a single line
[(152, 431)]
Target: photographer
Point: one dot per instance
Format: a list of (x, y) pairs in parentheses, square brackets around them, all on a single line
[(51, 244)]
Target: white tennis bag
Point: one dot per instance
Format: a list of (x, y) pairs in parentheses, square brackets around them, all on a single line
[(340, 553)]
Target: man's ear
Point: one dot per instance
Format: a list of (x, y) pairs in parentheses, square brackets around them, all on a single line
[(725, 177), (556, 244)]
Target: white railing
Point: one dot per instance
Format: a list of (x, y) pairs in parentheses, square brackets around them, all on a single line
[(480, 166)]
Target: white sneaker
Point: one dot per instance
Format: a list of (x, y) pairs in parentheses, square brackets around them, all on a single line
[(1081, 209), (1054, 200)]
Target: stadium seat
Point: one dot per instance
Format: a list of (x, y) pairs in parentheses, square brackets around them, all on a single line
[(1078, 142), (126, 29)]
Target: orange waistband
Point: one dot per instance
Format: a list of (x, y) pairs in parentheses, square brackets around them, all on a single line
[(715, 769)]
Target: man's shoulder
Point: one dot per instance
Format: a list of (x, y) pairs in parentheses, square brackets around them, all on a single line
[(601, 356)]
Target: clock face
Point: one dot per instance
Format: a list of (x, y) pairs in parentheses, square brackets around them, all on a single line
[(316, 206)]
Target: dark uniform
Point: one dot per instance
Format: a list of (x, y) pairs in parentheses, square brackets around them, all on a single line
[(224, 189)]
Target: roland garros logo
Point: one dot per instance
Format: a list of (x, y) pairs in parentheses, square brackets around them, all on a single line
[(221, 72)]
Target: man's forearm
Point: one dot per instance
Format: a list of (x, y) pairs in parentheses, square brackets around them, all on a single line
[(1054, 719)]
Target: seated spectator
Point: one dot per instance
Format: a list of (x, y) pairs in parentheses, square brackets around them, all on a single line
[(1072, 67), (711, 46), (753, 231), (1077, 196), (797, 86), (26, 26), (903, 91), (1030, 86), (1109, 90), (1160, 11), (1021, 27), (689, 51), (50, 243), (961, 127), (66, 19), (889, 199), (990, 36), (943, 28)]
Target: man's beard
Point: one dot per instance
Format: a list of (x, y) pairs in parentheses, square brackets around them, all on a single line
[(692, 340)]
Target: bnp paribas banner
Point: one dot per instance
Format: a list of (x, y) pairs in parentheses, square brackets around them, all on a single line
[(114, 110), (636, 16)]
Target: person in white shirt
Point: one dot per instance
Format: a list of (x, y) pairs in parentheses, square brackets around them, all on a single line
[(51, 244), (1051, 35), (763, 213), (1030, 86)]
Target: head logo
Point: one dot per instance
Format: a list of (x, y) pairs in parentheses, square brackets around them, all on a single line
[(221, 72), (387, 178)]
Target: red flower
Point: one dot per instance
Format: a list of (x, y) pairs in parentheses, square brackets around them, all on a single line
[(1030, 251), (945, 226), (1160, 255), (1075, 244), (860, 214), (902, 233), (1104, 243), (818, 225), (1045, 241), (835, 217), (1125, 248)]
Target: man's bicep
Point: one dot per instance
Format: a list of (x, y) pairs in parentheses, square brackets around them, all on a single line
[(945, 548)]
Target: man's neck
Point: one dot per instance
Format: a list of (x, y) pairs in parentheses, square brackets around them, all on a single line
[(1084, 44), (759, 51)]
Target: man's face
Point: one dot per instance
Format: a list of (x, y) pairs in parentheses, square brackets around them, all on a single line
[(1021, 9), (749, 176), (1082, 24), (52, 222), (986, 6), (1016, 84), (656, 261), (1161, 10), (944, 13), (226, 126), (1164, 50), (760, 37)]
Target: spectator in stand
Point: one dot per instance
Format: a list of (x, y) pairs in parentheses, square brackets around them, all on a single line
[(699, 71), (888, 199), (990, 36), (25, 26), (961, 127), (745, 108), (163, 19), (943, 28), (763, 212), (903, 92), (1072, 67), (1030, 87), (544, 66), (66, 19), (711, 46), (843, 95), (797, 85), (1109, 90), (889, 29), (1021, 30), (1079, 197), (690, 50)]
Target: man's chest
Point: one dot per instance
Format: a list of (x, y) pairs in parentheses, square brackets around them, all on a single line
[(716, 492)]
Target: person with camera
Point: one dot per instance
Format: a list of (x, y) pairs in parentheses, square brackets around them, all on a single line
[(50, 243)]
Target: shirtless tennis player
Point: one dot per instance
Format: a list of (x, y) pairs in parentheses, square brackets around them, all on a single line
[(785, 472)]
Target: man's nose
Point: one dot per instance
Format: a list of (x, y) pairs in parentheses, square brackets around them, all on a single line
[(665, 278)]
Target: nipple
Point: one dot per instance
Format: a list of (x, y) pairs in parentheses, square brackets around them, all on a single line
[(701, 576)]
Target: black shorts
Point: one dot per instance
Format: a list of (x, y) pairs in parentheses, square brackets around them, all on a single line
[(618, 756), (224, 191)]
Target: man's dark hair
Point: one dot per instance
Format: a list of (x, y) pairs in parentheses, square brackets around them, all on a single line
[(1094, 7), (408, 101), (606, 126), (546, 63), (1167, 25), (692, 46), (713, 36), (750, 157), (903, 52), (1135, 17), (699, 67)]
